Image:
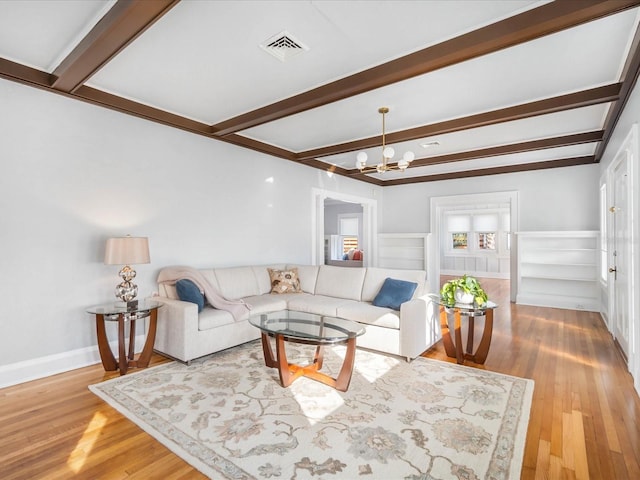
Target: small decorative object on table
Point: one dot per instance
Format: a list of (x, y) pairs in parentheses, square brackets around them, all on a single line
[(465, 289)]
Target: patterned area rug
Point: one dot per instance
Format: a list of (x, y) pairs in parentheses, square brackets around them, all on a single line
[(228, 416)]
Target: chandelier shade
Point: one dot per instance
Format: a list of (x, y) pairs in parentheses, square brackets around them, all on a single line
[(387, 154)]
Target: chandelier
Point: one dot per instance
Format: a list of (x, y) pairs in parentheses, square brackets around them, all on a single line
[(387, 154)]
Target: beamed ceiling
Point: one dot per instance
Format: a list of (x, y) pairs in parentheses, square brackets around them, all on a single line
[(501, 86)]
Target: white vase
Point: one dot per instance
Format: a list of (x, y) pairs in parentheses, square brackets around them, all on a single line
[(463, 297)]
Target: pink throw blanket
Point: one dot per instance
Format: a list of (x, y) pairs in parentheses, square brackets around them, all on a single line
[(170, 275)]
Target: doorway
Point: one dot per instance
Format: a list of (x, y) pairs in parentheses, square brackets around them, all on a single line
[(620, 257), (439, 208), (368, 228)]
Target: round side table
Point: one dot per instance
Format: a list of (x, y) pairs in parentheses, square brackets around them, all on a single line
[(124, 313), (469, 311)]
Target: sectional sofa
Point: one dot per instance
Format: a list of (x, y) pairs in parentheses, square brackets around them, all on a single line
[(184, 333)]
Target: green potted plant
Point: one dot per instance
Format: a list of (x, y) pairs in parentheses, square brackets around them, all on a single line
[(465, 289)]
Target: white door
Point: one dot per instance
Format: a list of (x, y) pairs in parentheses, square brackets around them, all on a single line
[(620, 267)]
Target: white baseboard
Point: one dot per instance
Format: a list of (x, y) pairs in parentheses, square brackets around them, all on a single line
[(459, 273), (559, 301), (41, 367)]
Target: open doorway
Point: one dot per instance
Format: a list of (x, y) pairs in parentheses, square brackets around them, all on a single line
[(473, 234), (343, 233), (346, 208)]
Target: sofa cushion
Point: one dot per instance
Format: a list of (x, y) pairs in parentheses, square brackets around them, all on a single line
[(375, 277), (189, 292), (394, 293), (266, 303), (212, 317), (209, 275), (237, 282), (284, 281), (370, 315), (340, 282), (308, 275), (262, 277), (318, 304)]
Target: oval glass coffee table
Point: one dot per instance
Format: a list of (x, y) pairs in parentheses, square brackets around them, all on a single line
[(289, 326)]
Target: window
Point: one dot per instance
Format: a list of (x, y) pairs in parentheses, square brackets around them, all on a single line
[(480, 232), (349, 228), (487, 241), (459, 240), (349, 243)]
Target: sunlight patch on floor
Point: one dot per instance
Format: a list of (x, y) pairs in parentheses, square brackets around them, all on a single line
[(79, 455), (317, 401), (371, 370)]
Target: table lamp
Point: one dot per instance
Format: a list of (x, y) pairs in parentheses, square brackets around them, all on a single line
[(127, 251)]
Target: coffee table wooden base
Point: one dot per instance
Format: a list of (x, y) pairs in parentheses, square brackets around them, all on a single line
[(456, 351), (289, 372)]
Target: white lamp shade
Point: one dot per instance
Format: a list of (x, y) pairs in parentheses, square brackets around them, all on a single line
[(361, 160), (127, 251), (388, 152), (409, 156)]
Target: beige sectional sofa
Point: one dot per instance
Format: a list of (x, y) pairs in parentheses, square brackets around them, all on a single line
[(185, 334)]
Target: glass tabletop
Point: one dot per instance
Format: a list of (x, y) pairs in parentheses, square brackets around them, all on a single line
[(116, 308), (305, 326), (467, 307)]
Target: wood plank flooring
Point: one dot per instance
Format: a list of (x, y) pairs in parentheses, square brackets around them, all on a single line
[(585, 417)]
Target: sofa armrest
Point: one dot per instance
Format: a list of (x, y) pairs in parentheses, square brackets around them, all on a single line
[(177, 323), (419, 327)]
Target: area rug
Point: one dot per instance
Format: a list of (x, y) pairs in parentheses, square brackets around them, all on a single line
[(228, 416)]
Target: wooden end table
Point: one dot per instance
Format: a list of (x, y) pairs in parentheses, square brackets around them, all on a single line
[(125, 313), (469, 311)]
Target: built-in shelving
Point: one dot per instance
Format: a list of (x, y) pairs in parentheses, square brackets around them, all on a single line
[(403, 250), (559, 269)]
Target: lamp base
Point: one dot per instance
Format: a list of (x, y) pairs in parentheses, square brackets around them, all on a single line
[(126, 291), (132, 305)]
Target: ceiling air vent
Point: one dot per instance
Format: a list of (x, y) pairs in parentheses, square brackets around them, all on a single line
[(283, 46)]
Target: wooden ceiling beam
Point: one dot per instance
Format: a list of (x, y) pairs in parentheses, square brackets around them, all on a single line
[(585, 98), (542, 144), (523, 167), (124, 105), (535, 23), (629, 78), (122, 24), (26, 75)]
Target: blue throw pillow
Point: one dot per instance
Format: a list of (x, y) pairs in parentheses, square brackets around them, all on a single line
[(394, 293), (189, 292)]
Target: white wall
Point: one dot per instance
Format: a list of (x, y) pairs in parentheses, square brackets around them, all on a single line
[(555, 199), (73, 174)]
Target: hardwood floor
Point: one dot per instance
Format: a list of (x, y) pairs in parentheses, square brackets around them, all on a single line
[(585, 416)]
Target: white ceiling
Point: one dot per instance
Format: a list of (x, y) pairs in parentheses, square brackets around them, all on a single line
[(201, 61)]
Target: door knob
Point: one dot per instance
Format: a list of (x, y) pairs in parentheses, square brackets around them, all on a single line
[(612, 269)]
